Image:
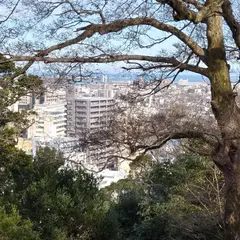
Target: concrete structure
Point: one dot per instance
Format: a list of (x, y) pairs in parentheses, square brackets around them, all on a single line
[(50, 121), (105, 90), (74, 156), (50, 96), (105, 93), (55, 96), (25, 102), (109, 177), (87, 114), (66, 145)]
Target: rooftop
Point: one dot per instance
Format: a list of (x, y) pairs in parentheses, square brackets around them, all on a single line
[(91, 98)]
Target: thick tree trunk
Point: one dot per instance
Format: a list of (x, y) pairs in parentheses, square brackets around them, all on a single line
[(227, 158), (232, 204), (227, 114)]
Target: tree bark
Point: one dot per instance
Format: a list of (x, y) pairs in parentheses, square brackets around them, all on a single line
[(227, 114), (232, 204), (223, 100)]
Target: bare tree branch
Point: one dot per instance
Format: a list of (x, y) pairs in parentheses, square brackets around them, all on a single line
[(182, 12), (173, 61), (116, 26), (233, 24), (11, 13)]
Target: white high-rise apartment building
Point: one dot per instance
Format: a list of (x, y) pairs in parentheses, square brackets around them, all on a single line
[(87, 114), (50, 121)]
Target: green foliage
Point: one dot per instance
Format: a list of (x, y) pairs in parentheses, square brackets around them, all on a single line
[(16, 169), (6, 66), (188, 195), (13, 227), (58, 201), (122, 212), (179, 200), (47, 161)]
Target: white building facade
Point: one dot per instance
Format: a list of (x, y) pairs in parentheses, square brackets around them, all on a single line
[(87, 114), (50, 121)]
